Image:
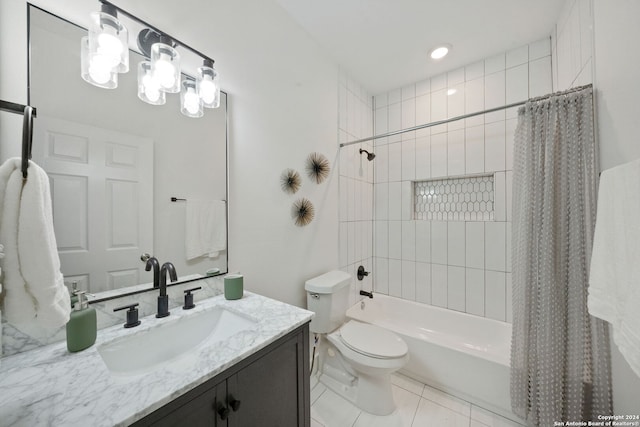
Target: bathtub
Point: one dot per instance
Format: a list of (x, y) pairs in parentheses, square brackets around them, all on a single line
[(461, 354)]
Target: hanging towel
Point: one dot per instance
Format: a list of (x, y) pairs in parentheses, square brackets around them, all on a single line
[(36, 300), (614, 281), (206, 228)]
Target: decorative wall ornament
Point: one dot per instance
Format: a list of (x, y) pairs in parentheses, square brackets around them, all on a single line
[(302, 212), (290, 181), (317, 167)]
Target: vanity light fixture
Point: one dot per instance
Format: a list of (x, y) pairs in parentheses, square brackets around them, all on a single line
[(208, 84), (148, 87), (105, 53), (190, 101)]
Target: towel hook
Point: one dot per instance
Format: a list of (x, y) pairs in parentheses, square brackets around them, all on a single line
[(27, 138)]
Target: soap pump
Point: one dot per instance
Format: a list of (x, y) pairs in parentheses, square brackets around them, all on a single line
[(82, 327)]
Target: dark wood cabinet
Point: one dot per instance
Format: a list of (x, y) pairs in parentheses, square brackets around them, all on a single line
[(270, 388)]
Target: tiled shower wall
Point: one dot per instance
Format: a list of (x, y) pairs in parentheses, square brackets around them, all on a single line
[(355, 121), (460, 265)]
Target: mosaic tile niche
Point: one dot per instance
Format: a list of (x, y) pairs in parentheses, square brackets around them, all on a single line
[(467, 198)]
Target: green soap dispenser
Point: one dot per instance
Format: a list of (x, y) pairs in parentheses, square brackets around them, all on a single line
[(74, 293), (82, 327)]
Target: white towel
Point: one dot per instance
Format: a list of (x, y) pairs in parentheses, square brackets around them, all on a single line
[(205, 228), (614, 281), (36, 300)]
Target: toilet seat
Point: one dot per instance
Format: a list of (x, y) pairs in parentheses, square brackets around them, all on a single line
[(372, 340)]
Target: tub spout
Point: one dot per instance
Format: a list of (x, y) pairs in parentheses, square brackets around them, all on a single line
[(367, 294)]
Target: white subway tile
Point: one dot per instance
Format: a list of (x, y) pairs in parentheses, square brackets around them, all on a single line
[(423, 157), (409, 280), (395, 239), (351, 238), (423, 241), (494, 90), (344, 200), (540, 49), (344, 244), (439, 242), (586, 32), (474, 291), (394, 96), (351, 192), (351, 113), (358, 241), (395, 161), (439, 155), (342, 108), (455, 77), (494, 146), (499, 194), (495, 246), (409, 240), (494, 64), (382, 163), (510, 135), (495, 295), (408, 92), (395, 117), (517, 84), (474, 71), (423, 109), (455, 153), (474, 96), (381, 100), (395, 278), (456, 243), (423, 282), (382, 120), (540, 77), (474, 149), (439, 105), (439, 285), (395, 200), (438, 82), (474, 244), (509, 297), (367, 242), (508, 244), (509, 195), (408, 160), (357, 196), (517, 56), (382, 239), (381, 276), (381, 200), (456, 288), (456, 103), (407, 210), (408, 117)]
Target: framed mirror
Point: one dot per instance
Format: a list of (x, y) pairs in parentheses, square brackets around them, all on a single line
[(115, 163)]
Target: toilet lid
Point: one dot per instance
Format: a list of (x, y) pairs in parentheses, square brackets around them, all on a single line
[(372, 340)]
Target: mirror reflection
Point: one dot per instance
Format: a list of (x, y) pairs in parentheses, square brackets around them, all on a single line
[(115, 163)]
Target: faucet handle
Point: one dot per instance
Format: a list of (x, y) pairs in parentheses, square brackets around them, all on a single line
[(132, 315), (145, 257), (188, 298)]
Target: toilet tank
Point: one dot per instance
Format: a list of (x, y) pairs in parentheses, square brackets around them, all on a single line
[(328, 298)]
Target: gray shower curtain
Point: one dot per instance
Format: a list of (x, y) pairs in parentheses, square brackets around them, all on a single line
[(560, 367)]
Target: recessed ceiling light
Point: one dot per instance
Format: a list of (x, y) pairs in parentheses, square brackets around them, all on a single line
[(439, 52)]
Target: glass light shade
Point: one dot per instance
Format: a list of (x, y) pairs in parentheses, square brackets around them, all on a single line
[(108, 40), (165, 67), (94, 70), (208, 86), (190, 102), (148, 88)]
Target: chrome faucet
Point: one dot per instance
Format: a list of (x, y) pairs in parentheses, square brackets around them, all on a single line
[(163, 299), (152, 262)]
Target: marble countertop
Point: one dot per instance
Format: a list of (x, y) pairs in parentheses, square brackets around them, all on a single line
[(50, 386)]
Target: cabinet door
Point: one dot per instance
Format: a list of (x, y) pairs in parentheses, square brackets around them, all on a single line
[(270, 392)]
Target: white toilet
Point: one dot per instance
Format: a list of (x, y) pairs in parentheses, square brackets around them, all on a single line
[(356, 359)]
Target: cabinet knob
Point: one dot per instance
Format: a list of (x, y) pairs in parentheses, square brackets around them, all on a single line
[(223, 412), (234, 403)]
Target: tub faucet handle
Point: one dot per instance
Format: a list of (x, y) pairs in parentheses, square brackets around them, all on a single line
[(362, 273)]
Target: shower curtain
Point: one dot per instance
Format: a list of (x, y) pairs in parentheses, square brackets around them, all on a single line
[(560, 367)]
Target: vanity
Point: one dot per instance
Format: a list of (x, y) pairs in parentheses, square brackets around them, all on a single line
[(251, 369)]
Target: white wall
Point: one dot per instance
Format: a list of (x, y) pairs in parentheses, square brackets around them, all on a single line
[(283, 106), (464, 265), (617, 67)]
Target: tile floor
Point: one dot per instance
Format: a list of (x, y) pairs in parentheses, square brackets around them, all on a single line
[(418, 406)]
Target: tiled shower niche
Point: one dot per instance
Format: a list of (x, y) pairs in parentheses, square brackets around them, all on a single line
[(467, 198)]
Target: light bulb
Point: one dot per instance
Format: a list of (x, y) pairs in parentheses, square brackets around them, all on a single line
[(207, 90), (100, 69), (151, 89), (111, 47), (191, 102), (165, 73)]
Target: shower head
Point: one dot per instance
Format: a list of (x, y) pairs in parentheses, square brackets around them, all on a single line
[(370, 156)]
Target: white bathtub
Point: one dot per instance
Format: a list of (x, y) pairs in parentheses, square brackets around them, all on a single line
[(464, 355)]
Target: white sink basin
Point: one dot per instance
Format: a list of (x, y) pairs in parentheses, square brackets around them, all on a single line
[(142, 352)]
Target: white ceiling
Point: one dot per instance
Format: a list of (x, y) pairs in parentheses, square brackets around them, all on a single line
[(384, 44)]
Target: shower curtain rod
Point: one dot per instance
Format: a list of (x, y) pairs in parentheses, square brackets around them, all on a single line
[(464, 116)]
